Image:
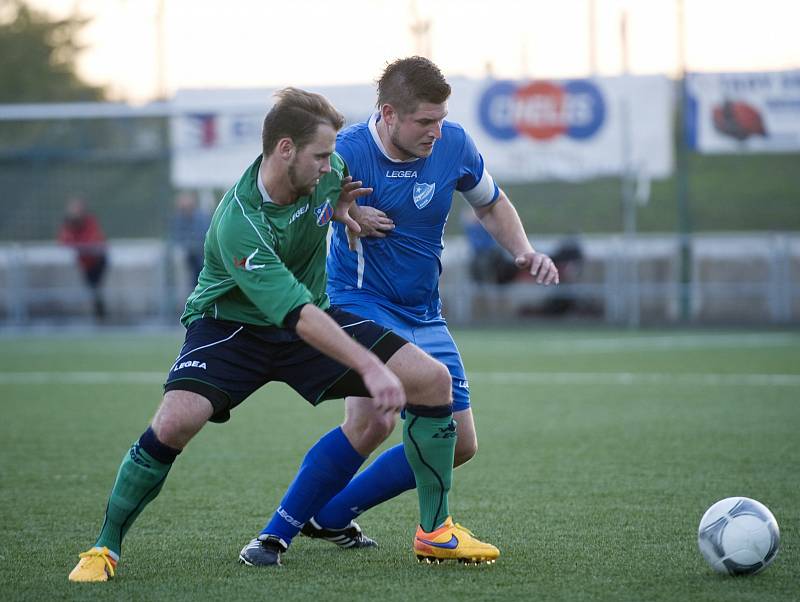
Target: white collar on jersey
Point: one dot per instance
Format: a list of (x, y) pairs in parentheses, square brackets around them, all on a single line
[(262, 189), (372, 124)]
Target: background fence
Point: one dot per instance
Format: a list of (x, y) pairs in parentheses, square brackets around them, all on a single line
[(744, 218), (737, 279)]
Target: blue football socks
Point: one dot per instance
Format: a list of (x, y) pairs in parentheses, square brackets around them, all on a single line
[(387, 476), (327, 468)]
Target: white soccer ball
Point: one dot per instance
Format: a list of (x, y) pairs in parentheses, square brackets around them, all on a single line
[(738, 536)]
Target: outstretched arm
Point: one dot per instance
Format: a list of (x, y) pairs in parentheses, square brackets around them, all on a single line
[(502, 221)]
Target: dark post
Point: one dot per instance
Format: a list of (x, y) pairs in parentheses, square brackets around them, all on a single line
[(682, 176)]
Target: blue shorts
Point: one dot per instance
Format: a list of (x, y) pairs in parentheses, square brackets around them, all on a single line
[(226, 362), (432, 337)]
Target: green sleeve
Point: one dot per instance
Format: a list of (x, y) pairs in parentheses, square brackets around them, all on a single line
[(338, 173), (344, 169), (248, 256), (339, 167)]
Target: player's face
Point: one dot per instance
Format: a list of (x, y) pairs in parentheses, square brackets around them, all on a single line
[(312, 161), (414, 134)]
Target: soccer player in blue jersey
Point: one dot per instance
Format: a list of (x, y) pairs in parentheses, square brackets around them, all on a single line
[(414, 160)]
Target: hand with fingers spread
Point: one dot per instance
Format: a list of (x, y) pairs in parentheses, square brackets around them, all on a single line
[(351, 190), (540, 267)]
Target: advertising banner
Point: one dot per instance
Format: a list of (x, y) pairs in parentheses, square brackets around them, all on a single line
[(569, 130), (526, 131), (216, 134), (743, 112)]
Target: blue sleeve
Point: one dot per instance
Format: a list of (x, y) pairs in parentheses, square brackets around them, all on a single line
[(475, 183), (471, 165)]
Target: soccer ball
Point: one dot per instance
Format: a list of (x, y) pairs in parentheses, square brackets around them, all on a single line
[(738, 536)]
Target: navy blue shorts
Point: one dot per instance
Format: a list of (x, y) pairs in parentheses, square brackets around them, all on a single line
[(226, 361)]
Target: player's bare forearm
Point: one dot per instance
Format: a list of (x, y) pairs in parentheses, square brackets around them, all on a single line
[(502, 221), (320, 331)]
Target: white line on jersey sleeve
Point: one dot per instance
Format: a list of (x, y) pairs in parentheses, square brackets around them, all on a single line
[(483, 193), (247, 217)]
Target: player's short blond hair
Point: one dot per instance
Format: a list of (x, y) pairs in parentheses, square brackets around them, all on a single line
[(297, 114)]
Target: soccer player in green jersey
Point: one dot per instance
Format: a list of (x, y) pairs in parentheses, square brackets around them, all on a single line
[(260, 313)]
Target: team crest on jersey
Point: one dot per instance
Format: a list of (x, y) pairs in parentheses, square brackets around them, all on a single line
[(423, 194), (324, 213)]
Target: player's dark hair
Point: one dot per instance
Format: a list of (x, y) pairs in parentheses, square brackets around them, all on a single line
[(407, 82), (297, 114)]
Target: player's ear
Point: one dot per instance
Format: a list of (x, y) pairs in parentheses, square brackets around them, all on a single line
[(388, 114), (285, 148)]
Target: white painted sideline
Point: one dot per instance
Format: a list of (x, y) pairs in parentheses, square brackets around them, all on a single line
[(81, 378), (635, 378), (533, 344), (493, 378)]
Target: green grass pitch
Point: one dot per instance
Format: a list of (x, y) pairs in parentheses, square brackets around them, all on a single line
[(599, 452)]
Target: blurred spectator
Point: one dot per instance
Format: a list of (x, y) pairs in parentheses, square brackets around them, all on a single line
[(81, 231), (188, 232), (488, 263)]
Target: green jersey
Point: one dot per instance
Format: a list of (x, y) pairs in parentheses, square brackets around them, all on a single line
[(262, 260)]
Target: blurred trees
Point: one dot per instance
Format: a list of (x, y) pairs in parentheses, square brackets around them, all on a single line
[(39, 55)]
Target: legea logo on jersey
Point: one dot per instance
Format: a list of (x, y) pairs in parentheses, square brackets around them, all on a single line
[(298, 213), (423, 194), (542, 110), (324, 213)]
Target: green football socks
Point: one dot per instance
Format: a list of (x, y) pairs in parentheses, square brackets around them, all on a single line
[(138, 482), (429, 440)]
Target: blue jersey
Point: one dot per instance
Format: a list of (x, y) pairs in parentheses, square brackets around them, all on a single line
[(401, 271)]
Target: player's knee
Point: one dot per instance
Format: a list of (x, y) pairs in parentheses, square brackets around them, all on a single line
[(356, 423), (439, 385), (368, 431), (170, 431), (465, 450), (180, 417), (382, 426)]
